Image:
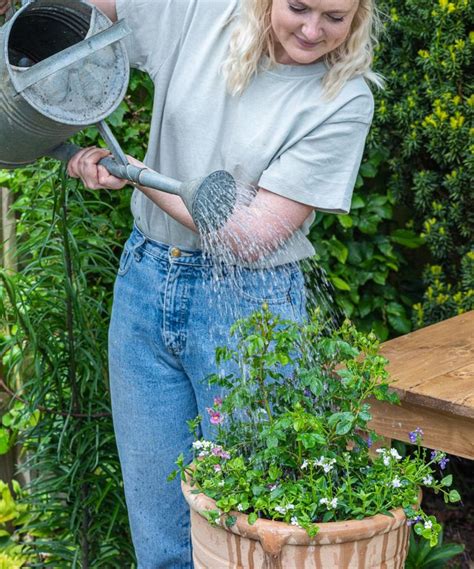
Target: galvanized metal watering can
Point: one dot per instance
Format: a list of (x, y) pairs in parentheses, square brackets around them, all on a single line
[(63, 67)]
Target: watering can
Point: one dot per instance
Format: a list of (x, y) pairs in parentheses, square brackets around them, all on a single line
[(63, 67)]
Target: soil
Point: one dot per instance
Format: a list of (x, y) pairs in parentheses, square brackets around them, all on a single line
[(457, 519)]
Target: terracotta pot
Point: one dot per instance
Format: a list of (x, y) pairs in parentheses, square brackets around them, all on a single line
[(379, 542)]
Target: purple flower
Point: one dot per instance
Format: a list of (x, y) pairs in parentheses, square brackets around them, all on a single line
[(370, 442), (440, 458), (215, 417), (414, 520), (220, 452), (443, 462), (415, 436)]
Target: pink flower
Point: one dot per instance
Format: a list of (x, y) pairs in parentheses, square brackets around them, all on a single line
[(217, 467), (217, 401), (220, 452), (216, 418)]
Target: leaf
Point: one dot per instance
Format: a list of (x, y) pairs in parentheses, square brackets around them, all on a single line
[(454, 496), (4, 441), (447, 480), (357, 202), (407, 238), (340, 284), (368, 170), (252, 518)]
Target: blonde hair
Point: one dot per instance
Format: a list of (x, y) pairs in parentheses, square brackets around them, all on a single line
[(252, 38)]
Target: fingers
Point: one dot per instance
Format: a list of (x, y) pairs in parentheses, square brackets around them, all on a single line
[(85, 165), (4, 5)]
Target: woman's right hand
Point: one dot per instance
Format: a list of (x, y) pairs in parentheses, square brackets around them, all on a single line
[(85, 165), (4, 5)]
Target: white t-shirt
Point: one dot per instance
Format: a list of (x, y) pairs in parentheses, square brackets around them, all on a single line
[(279, 134)]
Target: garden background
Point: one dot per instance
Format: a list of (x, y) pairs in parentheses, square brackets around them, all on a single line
[(402, 259)]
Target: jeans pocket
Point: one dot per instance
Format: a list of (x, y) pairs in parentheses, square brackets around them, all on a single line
[(130, 250), (257, 286), (125, 260)]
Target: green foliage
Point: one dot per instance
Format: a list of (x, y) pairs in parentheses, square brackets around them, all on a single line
[(415, 183), (362, 254), (422, 556), (53, 348), (441, 300), (56, 312), (424, 120), (13, 518), (291, 432)]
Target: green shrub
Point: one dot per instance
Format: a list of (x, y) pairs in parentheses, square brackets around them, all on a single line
[(424, 120)]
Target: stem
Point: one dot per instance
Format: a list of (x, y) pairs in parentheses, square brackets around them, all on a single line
[(76, 404)]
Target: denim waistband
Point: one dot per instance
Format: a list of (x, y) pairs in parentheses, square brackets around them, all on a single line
[(170, 253), (197, 258)]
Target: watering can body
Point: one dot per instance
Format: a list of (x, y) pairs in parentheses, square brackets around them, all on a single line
[(63, 67)]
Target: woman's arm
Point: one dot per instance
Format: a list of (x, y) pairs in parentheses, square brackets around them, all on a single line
[(251, 232), (107, 6)]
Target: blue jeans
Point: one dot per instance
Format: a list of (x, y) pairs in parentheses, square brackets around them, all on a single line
[(171, 310)]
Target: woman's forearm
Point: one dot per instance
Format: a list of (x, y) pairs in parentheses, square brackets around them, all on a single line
[(107, 6), (170, 204), (252, 231)]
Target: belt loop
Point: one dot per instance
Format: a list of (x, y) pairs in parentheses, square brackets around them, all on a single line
[(138, 249)]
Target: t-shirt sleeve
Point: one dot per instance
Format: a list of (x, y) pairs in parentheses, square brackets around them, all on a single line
[(156, 28), (321, 169)]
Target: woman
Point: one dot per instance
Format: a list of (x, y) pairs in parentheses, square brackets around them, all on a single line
[(275, 92)]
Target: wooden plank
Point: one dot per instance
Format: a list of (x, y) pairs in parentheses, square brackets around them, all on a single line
[(442, 431), (434, 366), (8, 260), (8, 230)]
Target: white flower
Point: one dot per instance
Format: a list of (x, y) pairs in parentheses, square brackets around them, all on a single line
[(280, 509), (428, 480), (294, 521), (221, 483), (330, 504), (240, 507), (394, 453), (326, 463), (385, 455), (290, 507), (428, 524), (305, 464), (396, 482)]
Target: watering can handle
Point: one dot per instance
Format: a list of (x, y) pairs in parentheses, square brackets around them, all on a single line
[(134, 174)]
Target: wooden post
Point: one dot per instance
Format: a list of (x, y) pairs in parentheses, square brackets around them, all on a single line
[(8, 233), (9, 262)]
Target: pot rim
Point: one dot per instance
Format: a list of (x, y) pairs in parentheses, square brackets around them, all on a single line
[(329, 532)]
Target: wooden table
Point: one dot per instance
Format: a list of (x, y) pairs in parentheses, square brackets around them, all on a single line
[(432, 370)]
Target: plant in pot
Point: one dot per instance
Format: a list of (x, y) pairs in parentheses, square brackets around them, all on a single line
[(290, 479)]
